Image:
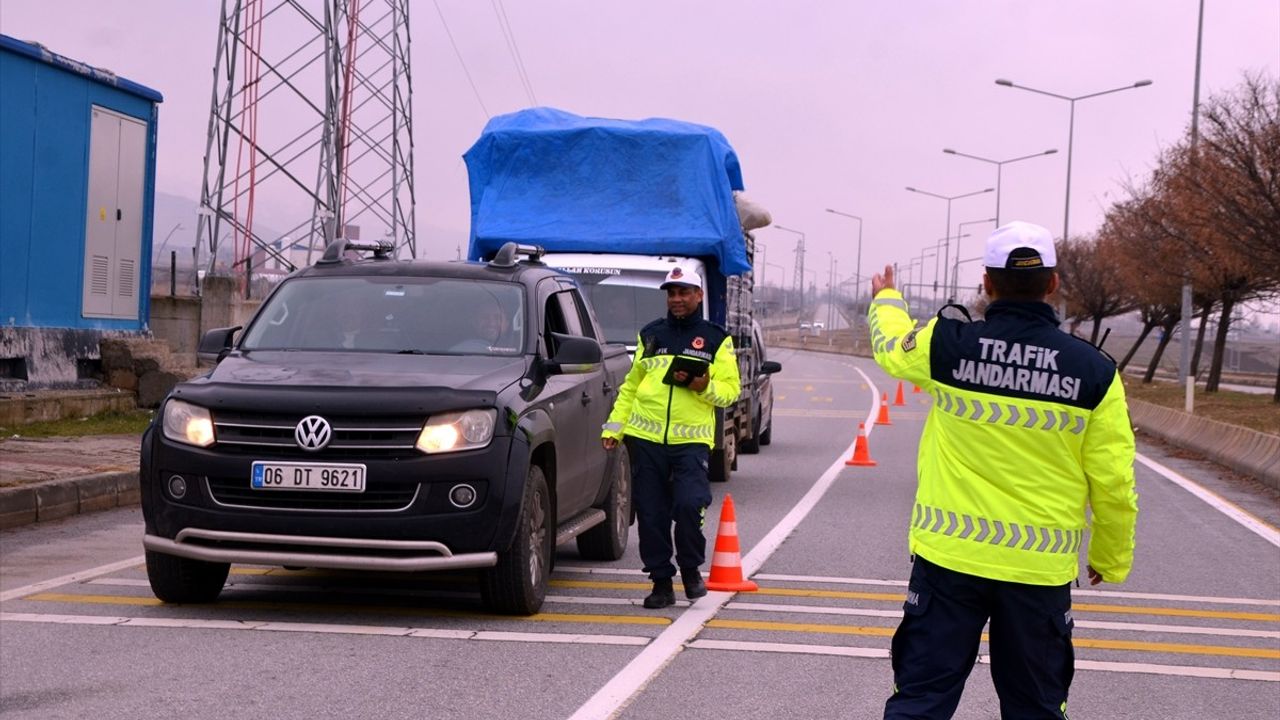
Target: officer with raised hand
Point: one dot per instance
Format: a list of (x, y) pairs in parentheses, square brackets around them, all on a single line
[(1028, 427), (684, 368)]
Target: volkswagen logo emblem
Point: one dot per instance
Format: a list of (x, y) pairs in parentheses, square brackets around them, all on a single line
[(313, 433)]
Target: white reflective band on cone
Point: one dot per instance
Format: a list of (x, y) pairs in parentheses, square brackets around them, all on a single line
[(726, 560), (728, 528)]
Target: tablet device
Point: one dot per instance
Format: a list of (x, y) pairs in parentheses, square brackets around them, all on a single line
[(692, 366)]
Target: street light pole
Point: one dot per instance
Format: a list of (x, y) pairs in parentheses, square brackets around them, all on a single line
[(799, 279), (999, 168), (949, 198), (857, 285), (1071, 129), (955, 279)]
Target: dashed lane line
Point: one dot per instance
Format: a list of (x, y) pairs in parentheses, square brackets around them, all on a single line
[(1097, 643), (1094, 665), (340, 629), (71, 578), (1083, 624), (137, 601)]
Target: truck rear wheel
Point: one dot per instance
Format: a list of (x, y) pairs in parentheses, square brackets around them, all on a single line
[(183, 580), (608, 540), (751, 445), (722, 461), (517, 585)]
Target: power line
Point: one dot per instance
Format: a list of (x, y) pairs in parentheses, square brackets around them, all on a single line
[(461, 62), (500, 9)]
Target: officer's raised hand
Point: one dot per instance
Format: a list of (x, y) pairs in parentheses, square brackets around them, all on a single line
[(882, 282)]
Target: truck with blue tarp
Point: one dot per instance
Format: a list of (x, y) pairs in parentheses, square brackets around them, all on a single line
[(618, 203)]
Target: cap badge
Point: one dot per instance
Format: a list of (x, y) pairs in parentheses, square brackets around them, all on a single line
[(677, 273), (698, 342)]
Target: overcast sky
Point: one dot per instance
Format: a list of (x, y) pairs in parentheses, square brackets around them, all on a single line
[(828, 104)]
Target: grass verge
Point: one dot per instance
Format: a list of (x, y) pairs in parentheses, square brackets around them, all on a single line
[(110, 423), (1257, 412)]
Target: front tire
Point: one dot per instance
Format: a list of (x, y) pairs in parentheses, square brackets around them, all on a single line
[(608, 540), (517, 585), (183, 580)]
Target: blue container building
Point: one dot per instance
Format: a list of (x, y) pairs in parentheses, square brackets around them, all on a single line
[(77, 191)]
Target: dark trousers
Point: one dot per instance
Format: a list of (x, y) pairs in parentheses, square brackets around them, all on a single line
[(669, 484), (934, 648)]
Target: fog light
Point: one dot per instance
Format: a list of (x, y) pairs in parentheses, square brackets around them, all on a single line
[(177, 487), (462, 496)]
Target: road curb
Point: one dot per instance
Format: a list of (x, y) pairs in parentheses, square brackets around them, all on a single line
[(1241, 449), (53, 499)]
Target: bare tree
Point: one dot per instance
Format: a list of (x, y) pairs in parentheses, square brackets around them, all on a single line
[(1090, 282)]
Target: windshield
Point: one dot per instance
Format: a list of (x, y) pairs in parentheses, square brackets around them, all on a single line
[(434, 316), (623, 309)]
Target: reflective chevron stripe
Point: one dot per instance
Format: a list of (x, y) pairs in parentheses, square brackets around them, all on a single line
[(1019, 536), (1007, 413), (645, 425), (892, 302), (613, 427), (689, 432)]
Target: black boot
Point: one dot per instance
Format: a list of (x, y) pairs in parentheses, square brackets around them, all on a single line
[(663, 594), (694, 588)]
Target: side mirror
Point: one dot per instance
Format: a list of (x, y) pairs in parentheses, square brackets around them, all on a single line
[(215, 344), (769, 367), (574, 354)]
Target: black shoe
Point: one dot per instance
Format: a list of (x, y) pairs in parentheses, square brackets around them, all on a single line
[(694, 588), (662, 596)]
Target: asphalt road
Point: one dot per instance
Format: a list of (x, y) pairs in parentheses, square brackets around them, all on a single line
[(1195, 633)]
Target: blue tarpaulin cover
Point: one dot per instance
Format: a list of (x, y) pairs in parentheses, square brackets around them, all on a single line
[(580, 184)]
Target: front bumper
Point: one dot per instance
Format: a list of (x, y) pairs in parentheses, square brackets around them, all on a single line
[(403, 521), (316, 552)]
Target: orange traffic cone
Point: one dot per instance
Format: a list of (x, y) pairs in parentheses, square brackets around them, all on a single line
[(726, 562), (884, 411), (916, 390), (861, 453), (898, 399)]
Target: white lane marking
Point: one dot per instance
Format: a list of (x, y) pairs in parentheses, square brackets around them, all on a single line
[(1089, 624), (1179, 670), (610, 699), (561, 638), (1253, 524), (832, 580), (743, 646), (812, 609), (1099, 665), (875, 404), (72, 578), (273, 626)]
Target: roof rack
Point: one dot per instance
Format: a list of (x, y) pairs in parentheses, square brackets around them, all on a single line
[(337, 251), (510, 253)]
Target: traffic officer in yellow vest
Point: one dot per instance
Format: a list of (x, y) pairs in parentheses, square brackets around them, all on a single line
[(1028, 427), (684, 368)]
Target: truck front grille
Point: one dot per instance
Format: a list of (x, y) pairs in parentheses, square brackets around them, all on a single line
[(235, 492)]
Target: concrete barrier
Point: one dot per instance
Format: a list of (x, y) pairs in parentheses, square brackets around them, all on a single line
[(1246, 451)]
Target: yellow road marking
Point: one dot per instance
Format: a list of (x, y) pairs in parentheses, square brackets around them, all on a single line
[(374, 609), (819, 398), (1176, 612), (1180, 648), (808, 388)]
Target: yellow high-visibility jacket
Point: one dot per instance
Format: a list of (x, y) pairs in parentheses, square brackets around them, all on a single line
[(1028, 427), (650, 409)]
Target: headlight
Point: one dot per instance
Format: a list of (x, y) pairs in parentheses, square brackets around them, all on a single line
[(187, 423), (457, 431)]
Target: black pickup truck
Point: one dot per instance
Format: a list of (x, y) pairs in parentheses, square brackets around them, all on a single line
[(379, 414)]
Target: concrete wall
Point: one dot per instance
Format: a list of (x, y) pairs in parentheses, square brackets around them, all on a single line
[(177, 321), (1246, 451)]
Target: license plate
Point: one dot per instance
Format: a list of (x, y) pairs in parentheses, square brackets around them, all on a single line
[(328, 477)]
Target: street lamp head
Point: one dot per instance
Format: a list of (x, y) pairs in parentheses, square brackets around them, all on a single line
[(912, 189), (949, 151), (1006, 83), (1142, 83), (989, 190), (1051, 151)]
